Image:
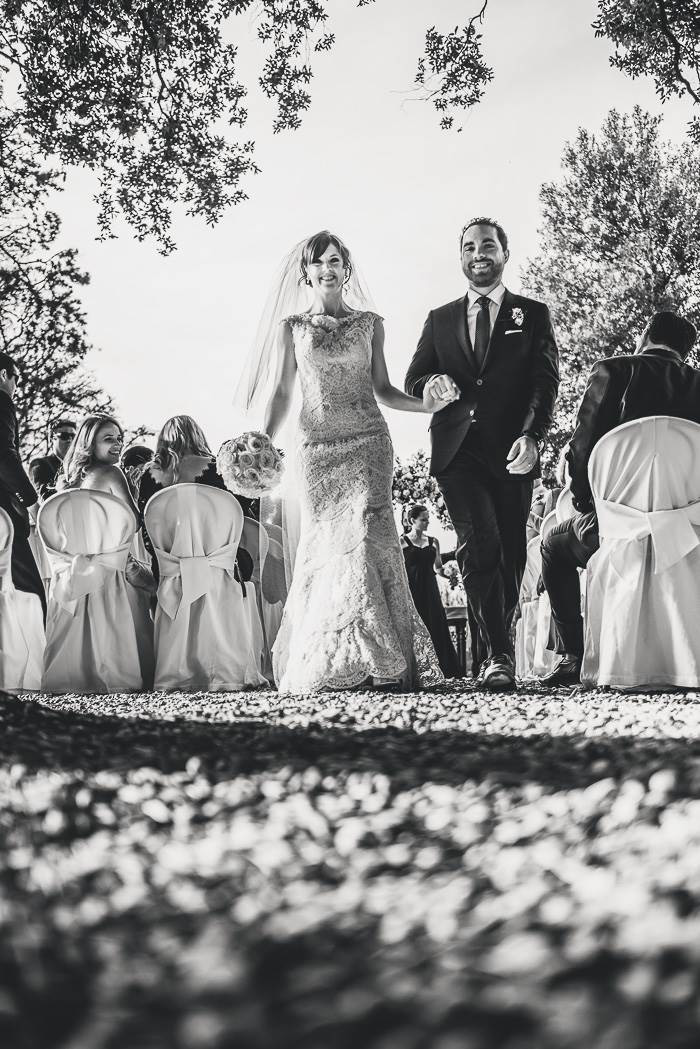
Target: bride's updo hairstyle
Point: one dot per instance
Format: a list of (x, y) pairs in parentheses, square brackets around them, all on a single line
[(180, 436), (314, 249), (80, 457)]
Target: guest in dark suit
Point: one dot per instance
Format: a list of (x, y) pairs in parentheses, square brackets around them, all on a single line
[(17, 494), (496, 353), (653, 381), (44, 470)]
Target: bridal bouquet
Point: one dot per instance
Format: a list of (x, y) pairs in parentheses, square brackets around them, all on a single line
[(250, 464)]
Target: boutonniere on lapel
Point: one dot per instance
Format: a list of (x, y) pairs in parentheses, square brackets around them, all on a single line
[(517, 316)]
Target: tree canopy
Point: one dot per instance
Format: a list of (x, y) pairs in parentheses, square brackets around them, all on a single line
[(658, 38), (42, 323), (620, 238), (148, 95)]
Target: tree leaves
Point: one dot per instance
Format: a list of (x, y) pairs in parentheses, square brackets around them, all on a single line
[(41, 318), (658, 38), (620, 238), (147, 93)]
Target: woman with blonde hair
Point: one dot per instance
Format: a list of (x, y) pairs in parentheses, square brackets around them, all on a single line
[(183, 456), (92, 461)]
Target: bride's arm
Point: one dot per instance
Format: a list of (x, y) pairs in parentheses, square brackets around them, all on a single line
[(388, 394), (278, 406)]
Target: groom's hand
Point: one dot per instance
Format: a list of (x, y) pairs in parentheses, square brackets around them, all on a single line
[(439, 391), (523, 455)]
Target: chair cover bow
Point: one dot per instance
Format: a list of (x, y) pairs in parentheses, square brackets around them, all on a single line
[(76, 575), (673, 532), (185, 579)]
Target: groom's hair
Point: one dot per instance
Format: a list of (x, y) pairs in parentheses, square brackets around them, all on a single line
[(483, 220), (670, 329)]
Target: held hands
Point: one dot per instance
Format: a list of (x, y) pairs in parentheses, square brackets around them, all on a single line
[(523, 456), (438, 392)]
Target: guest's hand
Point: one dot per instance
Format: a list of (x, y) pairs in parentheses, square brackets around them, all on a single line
[(522, 457)]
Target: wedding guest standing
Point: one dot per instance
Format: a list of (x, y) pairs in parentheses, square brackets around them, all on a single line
[(45, 469), (655, 380), (494, 354), (17, 494), (422, 557)]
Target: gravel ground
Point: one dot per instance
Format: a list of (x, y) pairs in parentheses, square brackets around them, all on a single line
[(446, 870)]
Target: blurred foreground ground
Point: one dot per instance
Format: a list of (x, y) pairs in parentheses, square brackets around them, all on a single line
[(356, 871)]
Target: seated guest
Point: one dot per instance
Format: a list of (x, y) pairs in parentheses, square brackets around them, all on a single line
[(183, 455), (133, 463), (654, 381), (93, 457), (422, 557), (91, 463), (17, 494), (45, 469)]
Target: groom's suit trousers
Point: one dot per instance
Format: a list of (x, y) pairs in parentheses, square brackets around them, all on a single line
[(489, 515)]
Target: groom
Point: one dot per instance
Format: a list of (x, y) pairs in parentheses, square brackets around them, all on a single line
[(495, 353)]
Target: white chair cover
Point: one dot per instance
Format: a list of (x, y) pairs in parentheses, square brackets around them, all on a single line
[(532, 657), (21, 624), (543, 659), (526, 627), (565, 505), (208, 635), (643, 584), (550, 522), (99, 636)]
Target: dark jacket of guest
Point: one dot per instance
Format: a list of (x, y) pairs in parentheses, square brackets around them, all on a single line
[(620, 389), (44, 472), (511, 395), (16, 490)]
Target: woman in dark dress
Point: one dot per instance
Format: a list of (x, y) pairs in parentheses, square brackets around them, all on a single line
[(422, 556)]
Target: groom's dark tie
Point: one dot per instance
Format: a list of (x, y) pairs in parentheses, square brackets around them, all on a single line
[(483, 331)]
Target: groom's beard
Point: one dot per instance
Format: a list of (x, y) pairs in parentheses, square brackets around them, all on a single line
[(485, 279)]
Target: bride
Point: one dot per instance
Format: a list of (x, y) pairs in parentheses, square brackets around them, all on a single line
[(349, 618)]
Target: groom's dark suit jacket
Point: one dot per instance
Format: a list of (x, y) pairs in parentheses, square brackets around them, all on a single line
[(512, 394), (620, 389)]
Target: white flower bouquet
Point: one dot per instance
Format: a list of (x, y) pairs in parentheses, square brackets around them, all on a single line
[(250, 464)]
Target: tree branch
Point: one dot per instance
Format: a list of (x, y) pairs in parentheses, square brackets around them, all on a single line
[(677, 52)]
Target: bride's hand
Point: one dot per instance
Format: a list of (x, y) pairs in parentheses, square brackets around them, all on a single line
[(438, 392)]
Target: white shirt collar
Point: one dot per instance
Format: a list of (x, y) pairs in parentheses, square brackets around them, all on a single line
[(495, 295)]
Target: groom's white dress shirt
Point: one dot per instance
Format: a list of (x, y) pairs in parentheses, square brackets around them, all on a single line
[(495, 297)]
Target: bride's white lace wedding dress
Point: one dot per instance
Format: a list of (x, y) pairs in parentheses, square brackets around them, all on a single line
[(349, 615)]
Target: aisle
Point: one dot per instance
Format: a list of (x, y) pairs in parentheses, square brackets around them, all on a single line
[(392, 873)]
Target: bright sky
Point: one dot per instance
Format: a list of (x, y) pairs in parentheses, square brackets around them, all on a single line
[(171, 333)]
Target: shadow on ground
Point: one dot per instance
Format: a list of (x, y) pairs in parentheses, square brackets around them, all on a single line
[(41, 738)]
